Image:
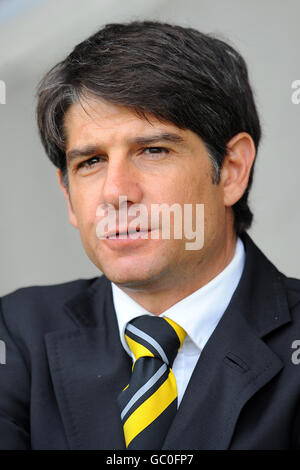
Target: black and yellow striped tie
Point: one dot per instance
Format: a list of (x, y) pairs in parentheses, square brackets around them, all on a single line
[(149, 402)]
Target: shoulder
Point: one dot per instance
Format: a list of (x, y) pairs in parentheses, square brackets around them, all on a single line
[(44, 293), (282, 287), (292, 284), (38, 305)]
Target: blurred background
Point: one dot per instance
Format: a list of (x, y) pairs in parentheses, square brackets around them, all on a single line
[(38, 245)]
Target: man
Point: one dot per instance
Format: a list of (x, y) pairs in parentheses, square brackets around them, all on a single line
[(157, 114)]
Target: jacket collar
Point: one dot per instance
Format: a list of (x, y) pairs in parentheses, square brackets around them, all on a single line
[(260, 295)]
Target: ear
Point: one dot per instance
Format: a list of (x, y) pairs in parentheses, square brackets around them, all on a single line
[(72, 216), (237, 166)]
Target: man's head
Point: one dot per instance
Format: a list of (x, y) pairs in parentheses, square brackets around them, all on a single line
[(132, 82)]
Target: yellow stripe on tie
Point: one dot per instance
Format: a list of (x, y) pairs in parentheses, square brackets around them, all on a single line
[(138, 349), (179, 331), (148, 411)]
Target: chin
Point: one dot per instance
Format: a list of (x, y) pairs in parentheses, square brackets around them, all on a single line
[(126, 279), (131, 278)]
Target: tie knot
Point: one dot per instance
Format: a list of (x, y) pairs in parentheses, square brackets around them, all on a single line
[(155, 337)]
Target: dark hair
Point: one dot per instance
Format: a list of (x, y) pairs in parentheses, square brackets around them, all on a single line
[(177, 74)]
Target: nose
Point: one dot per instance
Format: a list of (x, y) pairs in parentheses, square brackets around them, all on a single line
[(121, 179)]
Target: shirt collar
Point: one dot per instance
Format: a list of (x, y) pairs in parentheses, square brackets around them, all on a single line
[(197, 313)]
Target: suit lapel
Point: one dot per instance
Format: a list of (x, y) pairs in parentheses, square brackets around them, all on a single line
[(232, 367), (235, 362), (89, 367)]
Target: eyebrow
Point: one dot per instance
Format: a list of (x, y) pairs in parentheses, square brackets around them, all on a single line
[(142, 140)]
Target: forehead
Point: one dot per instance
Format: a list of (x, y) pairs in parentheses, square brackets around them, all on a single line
[(98, 118)]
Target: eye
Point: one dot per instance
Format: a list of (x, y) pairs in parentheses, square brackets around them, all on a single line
[(155, 150), (89, 163)]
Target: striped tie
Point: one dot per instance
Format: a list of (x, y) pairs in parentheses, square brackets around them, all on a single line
[(149, 402)]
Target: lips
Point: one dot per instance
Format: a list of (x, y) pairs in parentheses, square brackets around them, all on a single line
[(116, 233)]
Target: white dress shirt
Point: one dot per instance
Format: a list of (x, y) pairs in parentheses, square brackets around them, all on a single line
[(198, 313)]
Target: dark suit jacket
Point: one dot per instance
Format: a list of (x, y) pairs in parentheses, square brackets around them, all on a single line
[(65, 366)]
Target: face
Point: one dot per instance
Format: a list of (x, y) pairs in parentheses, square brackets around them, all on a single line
[(112, 152)]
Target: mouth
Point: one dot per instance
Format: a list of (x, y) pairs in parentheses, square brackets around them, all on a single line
[(125, 233)]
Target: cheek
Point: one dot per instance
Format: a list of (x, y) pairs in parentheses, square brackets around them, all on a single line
[(180, 185), (85, 205), (214, 210), (199, 188), (194, 187)]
